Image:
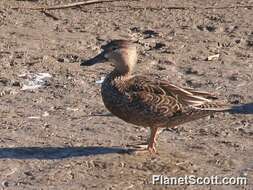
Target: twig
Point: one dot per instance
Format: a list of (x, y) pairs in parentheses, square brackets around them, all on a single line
[(186, 8), (49, 15), (230, 7), (71, 5)]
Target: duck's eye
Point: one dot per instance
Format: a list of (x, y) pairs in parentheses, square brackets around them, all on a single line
[(114, 48)]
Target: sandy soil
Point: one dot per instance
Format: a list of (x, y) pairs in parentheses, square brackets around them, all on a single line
[(51, 137)]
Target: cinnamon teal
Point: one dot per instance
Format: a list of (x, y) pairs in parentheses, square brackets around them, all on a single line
[(148, 102)]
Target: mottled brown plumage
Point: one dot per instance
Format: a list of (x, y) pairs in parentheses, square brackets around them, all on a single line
[(148, 102)]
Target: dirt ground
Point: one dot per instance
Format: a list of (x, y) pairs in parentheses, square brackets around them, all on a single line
[(54, 137)]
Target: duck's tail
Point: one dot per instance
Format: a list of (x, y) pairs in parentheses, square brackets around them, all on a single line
[(224, 107), (242, 109)]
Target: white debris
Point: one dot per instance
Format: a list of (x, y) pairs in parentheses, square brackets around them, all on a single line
[(212, 57), (72, 109), (100, 81), (34, 117), (34, 81), (45, 114)]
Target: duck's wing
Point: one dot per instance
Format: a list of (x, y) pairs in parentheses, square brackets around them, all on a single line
[(179, 98), (184, 96)]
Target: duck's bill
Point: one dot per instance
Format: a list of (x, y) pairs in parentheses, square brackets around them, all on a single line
[(100, 58)]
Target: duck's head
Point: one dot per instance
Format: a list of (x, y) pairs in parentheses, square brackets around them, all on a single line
[(122, 53)]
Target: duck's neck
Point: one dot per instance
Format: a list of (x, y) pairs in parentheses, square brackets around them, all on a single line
[(116, 73)]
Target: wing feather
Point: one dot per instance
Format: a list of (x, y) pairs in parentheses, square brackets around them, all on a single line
[(184, 96)]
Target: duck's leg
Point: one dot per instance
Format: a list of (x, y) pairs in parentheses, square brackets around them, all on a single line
[(152, 140), (151, 143)]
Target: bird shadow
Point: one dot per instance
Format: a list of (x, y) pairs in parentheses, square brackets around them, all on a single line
[(242, 109), (50, 153)]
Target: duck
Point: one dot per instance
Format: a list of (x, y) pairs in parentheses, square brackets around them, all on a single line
[(145, 101)]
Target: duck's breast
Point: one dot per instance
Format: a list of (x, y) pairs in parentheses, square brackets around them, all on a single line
[(120, 103), (115, 100)]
